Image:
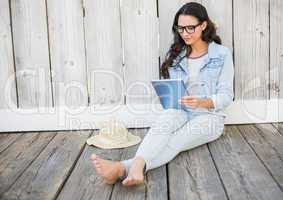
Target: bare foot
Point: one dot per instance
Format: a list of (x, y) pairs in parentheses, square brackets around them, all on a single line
[(110, 171), (135, 175)]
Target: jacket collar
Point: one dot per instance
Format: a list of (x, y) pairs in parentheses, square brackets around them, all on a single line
[(212, 53)]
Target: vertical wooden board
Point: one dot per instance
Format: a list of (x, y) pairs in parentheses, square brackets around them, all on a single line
[(276, 53), (140, 43), (46, 175), (220, 12), (7, 75), (17, 157), (216, 10), (243, 174), (67, 51), (276, 49), (104, 51), (251, 36), (271, 156), (167, 11), (192, 175), (84, 183), (31, 53)]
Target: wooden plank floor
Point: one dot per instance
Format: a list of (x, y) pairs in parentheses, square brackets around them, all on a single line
[(246, 162)]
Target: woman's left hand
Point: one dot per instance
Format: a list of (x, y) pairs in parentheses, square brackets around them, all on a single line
[(192, 101)]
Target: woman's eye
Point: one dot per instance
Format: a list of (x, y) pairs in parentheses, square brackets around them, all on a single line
[(190, 28)]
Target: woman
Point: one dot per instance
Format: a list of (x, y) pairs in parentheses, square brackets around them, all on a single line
[(197, 57)]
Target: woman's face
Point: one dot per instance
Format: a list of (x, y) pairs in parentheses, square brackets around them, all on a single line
[(192, 26)]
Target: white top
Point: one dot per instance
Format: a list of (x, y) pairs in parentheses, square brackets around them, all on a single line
[(194, 65)]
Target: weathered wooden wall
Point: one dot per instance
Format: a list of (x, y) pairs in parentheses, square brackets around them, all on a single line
[(85, 52)]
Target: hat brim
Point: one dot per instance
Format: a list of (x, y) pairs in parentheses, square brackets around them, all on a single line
[(99, 141)]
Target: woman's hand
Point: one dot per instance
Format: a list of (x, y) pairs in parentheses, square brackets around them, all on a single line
[(196, 102)]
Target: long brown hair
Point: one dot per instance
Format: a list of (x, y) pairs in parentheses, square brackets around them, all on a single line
[(209, 34)]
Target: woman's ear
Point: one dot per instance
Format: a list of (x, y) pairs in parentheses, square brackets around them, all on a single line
[(204, 25)]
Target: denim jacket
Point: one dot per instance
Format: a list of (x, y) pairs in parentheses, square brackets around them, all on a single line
[(215, 78)]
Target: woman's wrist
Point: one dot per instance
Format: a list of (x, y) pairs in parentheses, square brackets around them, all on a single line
[(206, 103)]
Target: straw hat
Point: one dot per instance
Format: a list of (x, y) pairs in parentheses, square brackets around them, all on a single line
[(113, 134)]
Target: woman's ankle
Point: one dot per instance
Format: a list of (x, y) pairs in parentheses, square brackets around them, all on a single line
[(140, 159), (122, 170)]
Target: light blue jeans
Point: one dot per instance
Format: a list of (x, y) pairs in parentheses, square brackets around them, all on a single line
[(173, 132)]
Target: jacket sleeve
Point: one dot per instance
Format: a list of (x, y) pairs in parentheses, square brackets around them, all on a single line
[(225, 85)]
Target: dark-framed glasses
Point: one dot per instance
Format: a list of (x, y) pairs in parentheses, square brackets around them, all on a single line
[(189, 29)]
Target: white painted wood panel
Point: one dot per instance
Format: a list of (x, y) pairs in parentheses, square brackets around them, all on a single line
[(7, 76), (31, 53), (134, 116), (104, 52), (276, 52), (276, 49), (140, 43), (220, 12), (251, 33), (67, 51)]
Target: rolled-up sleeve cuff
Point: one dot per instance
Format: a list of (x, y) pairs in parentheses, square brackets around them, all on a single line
[(215, 103)]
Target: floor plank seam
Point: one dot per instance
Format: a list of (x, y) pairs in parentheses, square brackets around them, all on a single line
[(270, 144), (30, 163), (262, 162), (217, 171), (111, 193), (60, 188), (167, 181), (12, 143), (279, 131)]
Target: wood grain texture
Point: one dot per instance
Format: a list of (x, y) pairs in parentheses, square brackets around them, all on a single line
[(251, 40), (31, 54), (7, 75), (157, 184), (45, 176), (272, 136), (104, 52), (6, 139), (276, 49), (195, 176), (268, 145), (242, 173), (140, 44), (244, 163), (67, 52), (17, 157), (279, 127)]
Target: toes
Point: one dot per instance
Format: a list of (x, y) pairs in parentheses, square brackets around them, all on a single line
[(127, 181), (98, 170), (94, 163), (93, 157), (132, 181)]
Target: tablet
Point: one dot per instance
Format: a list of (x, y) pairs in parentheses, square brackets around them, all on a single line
[(169, 92)]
